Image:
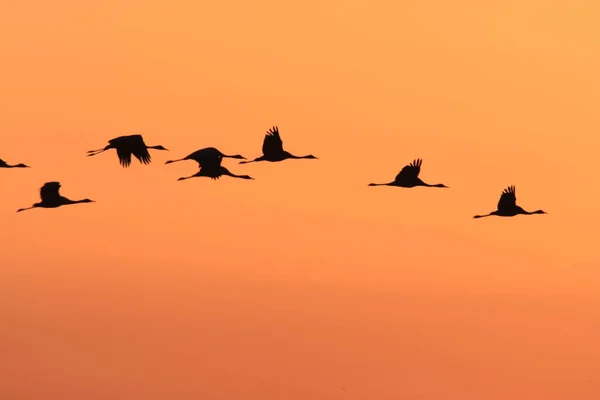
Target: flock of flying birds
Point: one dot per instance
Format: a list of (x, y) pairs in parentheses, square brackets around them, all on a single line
[(209, 159)]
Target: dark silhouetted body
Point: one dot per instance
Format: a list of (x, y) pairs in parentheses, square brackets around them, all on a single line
[(211, 168), (507, 206), (51, 198), (126, 146), (273, 149), (206, 154), (408, 177), (3, 164)]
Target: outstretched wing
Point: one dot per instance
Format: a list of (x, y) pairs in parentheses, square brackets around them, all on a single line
[(206, 156), (123, 146), (205, 152), (508, 199), (138, 148), (50, 191), (2, 163), (211, 167), (119, 141), (143, 155), (136, 138), (272, 143), (410, 171), (124, 155), (210, 162)]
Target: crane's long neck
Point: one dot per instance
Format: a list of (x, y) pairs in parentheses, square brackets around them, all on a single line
[(381, 184), (533, 212), (437, 185), (172, 161), (65, 201), (289, 155)]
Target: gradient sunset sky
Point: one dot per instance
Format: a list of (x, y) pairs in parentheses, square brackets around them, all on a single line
[(305, 284)]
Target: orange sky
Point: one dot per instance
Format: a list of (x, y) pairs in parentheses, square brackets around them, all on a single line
[(305, 283)]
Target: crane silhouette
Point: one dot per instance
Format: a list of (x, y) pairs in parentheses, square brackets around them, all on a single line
[(272, 149), (3, 164), (211, 168), (126, 146), (51, 198), (507, 206), (206, 153), (408, 177)]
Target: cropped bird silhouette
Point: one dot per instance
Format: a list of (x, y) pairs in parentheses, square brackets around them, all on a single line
[(51, 198), (408, 177), (272, 149), (126, 146), (3, 164), (208, 153), (211, 168), (507, 206)]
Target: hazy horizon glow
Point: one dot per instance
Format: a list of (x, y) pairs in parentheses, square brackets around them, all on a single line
[(304, 283)]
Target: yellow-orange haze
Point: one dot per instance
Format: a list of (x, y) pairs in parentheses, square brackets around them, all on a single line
[(305, 284)]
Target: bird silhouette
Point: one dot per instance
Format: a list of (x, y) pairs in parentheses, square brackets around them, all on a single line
[(206, 153), (3, 164), (211, 168), (507, 206), (408, 177), (51, 198), (126, 146), (272, 149)]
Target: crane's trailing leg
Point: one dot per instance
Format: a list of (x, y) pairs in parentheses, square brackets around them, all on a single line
[(98, 151)]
